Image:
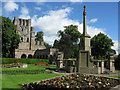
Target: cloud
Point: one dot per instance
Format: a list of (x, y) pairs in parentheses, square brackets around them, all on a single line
[(54, 21), (50, 39), (24, 13), (76, 0), (116, 46), (37, 8), (93, 20), (10, 7)]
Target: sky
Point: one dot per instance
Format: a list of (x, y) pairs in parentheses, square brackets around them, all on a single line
[(50, 17)]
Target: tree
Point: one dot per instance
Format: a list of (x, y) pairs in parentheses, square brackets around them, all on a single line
[(56, 44), (10, 39), (101, 45), (68, 38), (39, 36), (47, 45), (117, 62)]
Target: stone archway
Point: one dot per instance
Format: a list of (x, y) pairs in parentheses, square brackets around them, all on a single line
[(23, 56), (30, 56)]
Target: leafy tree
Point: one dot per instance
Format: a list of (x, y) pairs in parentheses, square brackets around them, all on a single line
[(39, 36), (68, 38), (47, 45), (56, 44), (10, 39), (101, 45), (117, 62)]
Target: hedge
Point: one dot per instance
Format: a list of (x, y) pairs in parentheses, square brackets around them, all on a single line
[(22, 60)]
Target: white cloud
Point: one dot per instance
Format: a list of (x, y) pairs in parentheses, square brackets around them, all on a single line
[(93, 20), (50, 39), (37, 8), (55, 20), (24, 13), (10, 6), (116, 46), (76, 0)]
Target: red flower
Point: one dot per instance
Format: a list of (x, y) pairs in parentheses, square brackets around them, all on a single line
[(102, 77), (58, 78), (81, 87), (53, 84)]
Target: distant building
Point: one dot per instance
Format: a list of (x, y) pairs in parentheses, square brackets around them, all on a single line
[(28, 45)]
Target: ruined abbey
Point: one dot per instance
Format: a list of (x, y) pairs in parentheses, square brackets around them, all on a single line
[(28, 45)]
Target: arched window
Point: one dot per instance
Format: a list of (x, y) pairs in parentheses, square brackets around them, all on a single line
[(29, 56), (22, 39), (23, 56)]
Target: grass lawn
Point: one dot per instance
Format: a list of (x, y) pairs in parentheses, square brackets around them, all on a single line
[(14, 81), (115, 76), (30, 67)]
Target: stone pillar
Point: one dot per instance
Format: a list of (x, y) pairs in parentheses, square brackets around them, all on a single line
[(102, 66), (111, 61), (112, 67), (25, 22), (99, 69), (21, 22)]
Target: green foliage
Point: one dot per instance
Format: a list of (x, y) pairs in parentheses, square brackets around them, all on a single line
[(101, 45), (10, 39), (47, 45), (68, 39), (39, 36), (22, 60), (117, 62)]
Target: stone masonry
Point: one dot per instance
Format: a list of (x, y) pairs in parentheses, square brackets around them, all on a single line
[(28, 45)]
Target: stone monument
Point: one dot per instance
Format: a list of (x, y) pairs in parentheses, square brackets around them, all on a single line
[(84, 65)]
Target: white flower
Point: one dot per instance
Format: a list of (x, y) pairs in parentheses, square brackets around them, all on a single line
[(67, 86), (99, 82), (89, 83)]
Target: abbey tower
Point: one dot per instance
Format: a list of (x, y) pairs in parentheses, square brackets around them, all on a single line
[(27, 44)]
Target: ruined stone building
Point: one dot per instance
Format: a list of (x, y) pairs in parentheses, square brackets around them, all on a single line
[(28, 45)]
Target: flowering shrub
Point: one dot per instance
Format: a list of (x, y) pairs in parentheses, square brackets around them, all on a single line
[(42, 64), (11, 65), (74, 81)]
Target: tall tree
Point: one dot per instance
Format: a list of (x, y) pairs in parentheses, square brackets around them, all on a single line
[(101, 45), (10, 39), (39, 36), (47, 45), (117, 62), (68, 38)]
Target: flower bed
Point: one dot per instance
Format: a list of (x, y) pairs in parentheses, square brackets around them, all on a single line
[(42, 64), (14, 65), (74, 81)]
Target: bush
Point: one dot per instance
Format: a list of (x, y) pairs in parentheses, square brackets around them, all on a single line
[(23, 60)]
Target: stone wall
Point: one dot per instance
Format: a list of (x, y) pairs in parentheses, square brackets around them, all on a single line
[(27, 44)]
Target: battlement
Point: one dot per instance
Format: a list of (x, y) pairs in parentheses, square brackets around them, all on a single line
[(22, 22)]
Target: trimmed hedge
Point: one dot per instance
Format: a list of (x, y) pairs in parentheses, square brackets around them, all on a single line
[(13, 72), (22, 60)]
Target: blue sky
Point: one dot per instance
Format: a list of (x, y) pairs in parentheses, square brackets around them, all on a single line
[(50, 17)]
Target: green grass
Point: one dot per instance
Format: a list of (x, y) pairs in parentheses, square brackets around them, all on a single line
[(14, 81), (115, 76), (23, 60), (33, 69), (30, 67)]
